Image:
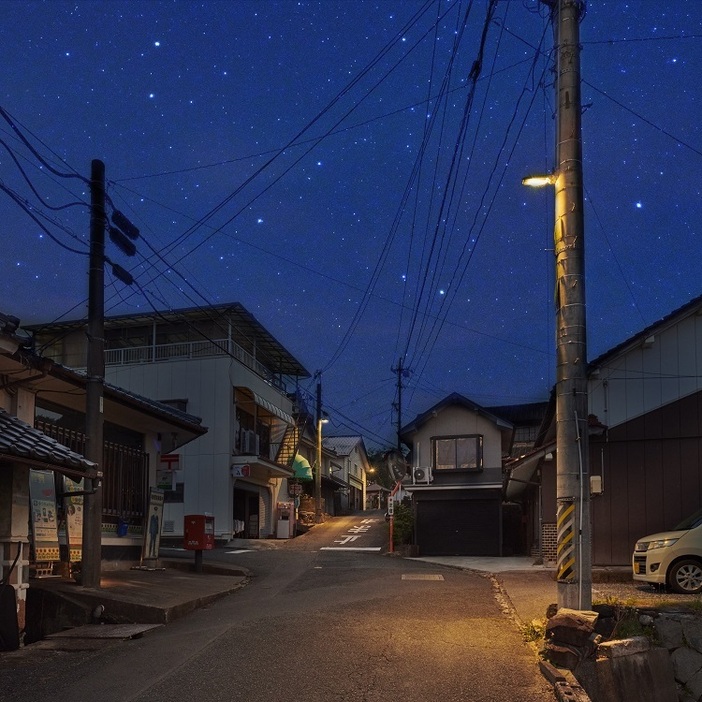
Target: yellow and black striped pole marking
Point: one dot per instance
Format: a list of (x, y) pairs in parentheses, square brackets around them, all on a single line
[(565, 548)]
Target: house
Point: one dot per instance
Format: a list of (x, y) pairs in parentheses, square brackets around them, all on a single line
[(42, 439), (349, 465), (221, 364), (377, 496), (331, 484), (456, 455), (645, 441)]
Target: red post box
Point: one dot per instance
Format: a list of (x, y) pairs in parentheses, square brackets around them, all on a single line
[(198, 530)]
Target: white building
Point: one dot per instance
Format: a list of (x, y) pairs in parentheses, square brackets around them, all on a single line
[(220, 364)]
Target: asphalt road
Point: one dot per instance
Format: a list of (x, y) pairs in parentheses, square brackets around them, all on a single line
[(319, 621)]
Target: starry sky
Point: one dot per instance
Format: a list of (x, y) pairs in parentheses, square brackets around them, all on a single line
[(342, 170)]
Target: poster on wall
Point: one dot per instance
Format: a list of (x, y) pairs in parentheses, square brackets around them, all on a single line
[(73, 505), (153, 525), (42, 494)]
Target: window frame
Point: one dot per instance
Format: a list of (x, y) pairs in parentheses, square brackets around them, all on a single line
[(479, 441)]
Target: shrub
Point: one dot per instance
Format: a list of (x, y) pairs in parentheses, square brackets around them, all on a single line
[(403, 525)]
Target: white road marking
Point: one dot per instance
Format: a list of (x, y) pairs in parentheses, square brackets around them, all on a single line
[(420, 576)]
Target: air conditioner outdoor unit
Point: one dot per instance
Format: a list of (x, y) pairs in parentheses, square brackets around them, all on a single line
[(249, 442), (421, 475)]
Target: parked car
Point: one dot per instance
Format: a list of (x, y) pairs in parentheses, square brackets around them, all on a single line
[(672, 558)]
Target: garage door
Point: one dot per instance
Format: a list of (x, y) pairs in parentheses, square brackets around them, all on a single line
[(467, 527)]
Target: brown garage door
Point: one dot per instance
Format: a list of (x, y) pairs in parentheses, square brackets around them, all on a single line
[(458, 527)]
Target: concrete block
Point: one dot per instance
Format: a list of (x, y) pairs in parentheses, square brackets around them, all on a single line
[(571, 627), (669, 631), (563, 656), (644, 677), (551, 673), (623, 647), (686, 663), (567, 693)]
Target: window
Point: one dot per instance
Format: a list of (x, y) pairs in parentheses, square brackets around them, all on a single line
[(458, 452)]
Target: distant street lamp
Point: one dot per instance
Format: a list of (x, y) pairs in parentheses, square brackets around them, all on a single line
[(318, 475)]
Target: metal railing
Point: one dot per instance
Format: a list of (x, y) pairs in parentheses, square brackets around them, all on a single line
[(187, 350)]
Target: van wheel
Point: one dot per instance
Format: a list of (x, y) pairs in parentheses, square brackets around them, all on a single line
[(686, 577)]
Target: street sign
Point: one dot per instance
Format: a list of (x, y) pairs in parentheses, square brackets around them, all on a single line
[(391, 507), (294, 489)]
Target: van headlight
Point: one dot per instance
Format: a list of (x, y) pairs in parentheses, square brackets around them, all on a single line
[(650, 545)]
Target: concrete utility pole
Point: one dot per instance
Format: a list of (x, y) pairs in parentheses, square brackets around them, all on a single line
[(92, 507), (399, 370), (318, 467), (574, 559)]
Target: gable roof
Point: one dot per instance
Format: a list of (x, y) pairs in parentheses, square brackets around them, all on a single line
[(686, 310), (343, 445), (454, 399), (20, 442)]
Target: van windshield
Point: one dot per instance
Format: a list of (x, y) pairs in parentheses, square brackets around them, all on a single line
[(691, 522)]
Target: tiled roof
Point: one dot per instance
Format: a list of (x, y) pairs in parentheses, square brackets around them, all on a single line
[(19, 439), (343, 445)]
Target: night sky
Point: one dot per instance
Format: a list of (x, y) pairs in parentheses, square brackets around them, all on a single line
[(333, 167)]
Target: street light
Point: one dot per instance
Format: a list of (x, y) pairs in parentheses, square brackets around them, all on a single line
[(540, 181), (574, 540), (318, 474)]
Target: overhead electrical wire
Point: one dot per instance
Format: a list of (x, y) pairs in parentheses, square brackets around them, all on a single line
[(424, 301)]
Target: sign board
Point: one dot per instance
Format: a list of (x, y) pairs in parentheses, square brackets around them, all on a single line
[(152, 525), (294, 489), (42, 494), (243, 471), (74, 518), (391, 507)]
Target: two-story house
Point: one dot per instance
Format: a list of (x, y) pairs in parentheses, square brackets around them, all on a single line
[(456, 462), (350, 465), (645, 442), (220, 364)]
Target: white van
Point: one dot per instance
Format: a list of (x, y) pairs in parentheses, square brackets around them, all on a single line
[(672, 558)]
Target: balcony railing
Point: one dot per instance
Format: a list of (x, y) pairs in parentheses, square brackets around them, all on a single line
[(188, 350)]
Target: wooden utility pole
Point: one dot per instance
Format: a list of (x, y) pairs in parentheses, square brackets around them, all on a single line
[(574, 560), (92, 508)]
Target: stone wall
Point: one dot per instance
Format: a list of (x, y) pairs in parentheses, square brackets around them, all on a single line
[(681, 634)]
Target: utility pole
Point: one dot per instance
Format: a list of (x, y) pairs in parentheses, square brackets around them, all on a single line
[(574, 559), (400, 370), (318, 467), (92, 508)]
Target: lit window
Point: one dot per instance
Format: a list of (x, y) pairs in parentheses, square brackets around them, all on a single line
[(458, 452)]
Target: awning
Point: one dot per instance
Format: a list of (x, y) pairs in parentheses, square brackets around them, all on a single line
[(302, 468), (521, 470), (261, 402)]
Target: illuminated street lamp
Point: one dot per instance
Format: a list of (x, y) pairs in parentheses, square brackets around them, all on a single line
[(318, 474), (573, 537), (540, 181)]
